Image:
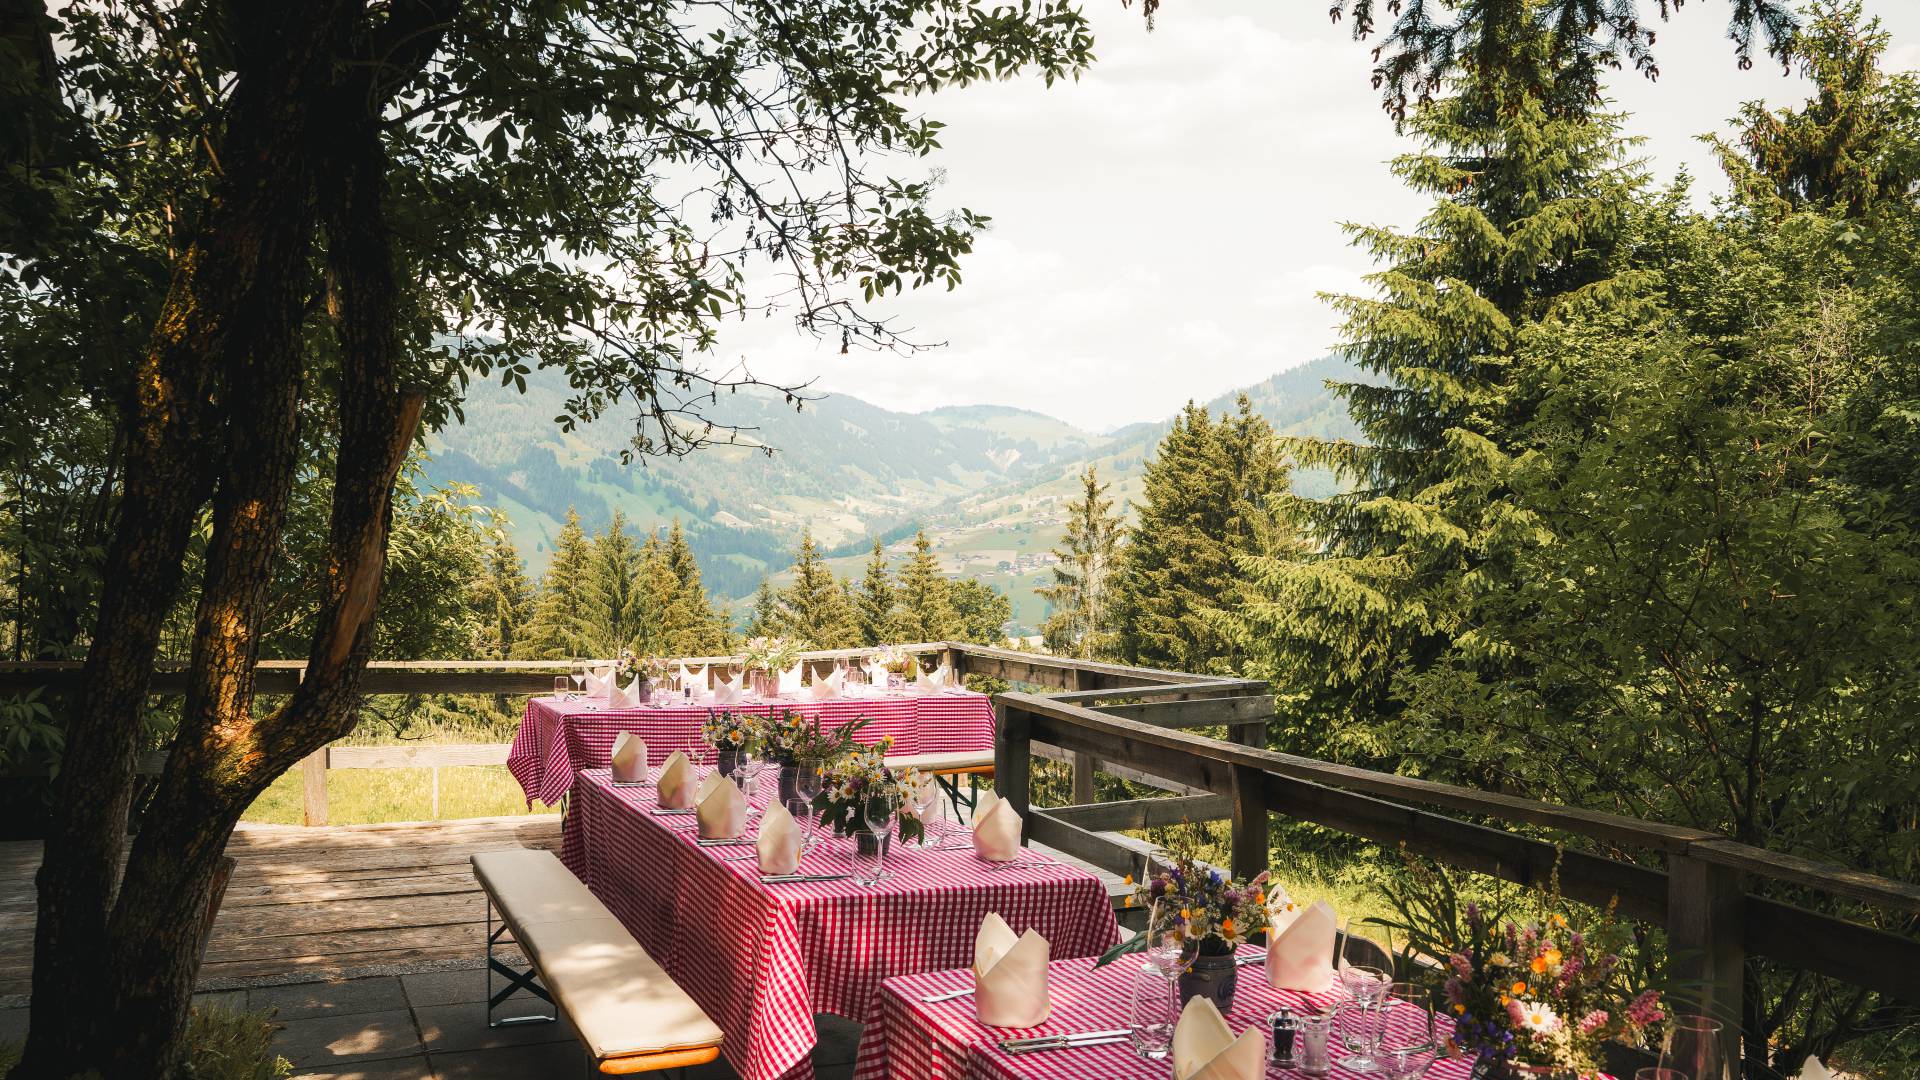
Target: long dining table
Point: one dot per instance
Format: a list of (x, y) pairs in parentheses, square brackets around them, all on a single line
[(762, 958), (559, 737)]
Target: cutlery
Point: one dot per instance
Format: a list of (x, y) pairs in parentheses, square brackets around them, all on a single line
[(1248, 961), (781, 879), (1063, 1042), (660, 810), (935, 999), (1017, 864), (728, 842)]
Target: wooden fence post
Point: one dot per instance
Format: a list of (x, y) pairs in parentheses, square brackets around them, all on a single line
[(1249, 855), (1083, 763), (1705, 957), (1013, 760), (313, 787)]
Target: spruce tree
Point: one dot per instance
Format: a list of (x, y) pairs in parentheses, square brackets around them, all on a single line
[(980, 612), (813, 610), (689, 625), (924, 613), (1079, 613), (503, 598), (619, 607), (657, 588), (563, 617), (1532, 192), (1178, 582), (873, 602), (763, 619)]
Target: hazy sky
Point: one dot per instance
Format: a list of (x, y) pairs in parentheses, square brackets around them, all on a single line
[(1161, 228)]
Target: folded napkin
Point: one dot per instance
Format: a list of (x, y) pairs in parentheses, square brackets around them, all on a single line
[(707, 784), (790, 679), (943, 675), (996, 829), (726, 693), (628, 698), (877, 674), (1299, 944), (629, 759), (1814, 1070), (1204, 1047), (824, 688), (600, 682), (1010, 975), (694, 678), (722, 812), (780, 841), (675, 785), (922, 680)]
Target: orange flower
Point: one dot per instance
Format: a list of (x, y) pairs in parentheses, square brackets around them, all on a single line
[(1226, 926), (1539, 965), (1553, 957), (1519, 988), (1459, 1010)]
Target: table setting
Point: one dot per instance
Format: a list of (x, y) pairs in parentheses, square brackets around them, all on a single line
[(808, 873)]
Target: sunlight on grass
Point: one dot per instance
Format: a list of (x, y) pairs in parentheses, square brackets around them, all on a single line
[(366, 796)]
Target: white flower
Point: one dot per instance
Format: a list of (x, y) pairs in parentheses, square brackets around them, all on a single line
[(1539, 1018)]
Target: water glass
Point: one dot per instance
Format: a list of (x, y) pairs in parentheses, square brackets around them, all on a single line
[(1167, 934), (560, 685), (1360, 1025), (1150, 1026), (869, 859), (1695, 1049)]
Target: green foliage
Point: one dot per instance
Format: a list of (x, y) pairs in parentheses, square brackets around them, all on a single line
[(221, 1045), (813, 608), (502, 599), (925, 613), (563, 622), (980, 612), (619, 603), (1177, 577), (764, 618), (873, 600), (1079, 608)]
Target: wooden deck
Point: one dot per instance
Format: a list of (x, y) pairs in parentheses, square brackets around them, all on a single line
[(334, 902)]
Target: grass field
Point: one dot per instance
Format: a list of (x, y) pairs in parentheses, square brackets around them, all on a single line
[(366, 796)]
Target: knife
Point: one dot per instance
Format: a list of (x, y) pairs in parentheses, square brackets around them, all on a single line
[(935, 999), (723, 843), (688, 810), (777, 879), (1063, 1042)]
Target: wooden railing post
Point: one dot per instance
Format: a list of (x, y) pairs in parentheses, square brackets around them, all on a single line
[(313, 787), (1249, 856), (1705, 956), (1083, 762), (1013, 759)]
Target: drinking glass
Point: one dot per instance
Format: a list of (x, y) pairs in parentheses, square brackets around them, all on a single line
[(931, 810), (560, 685), (1365, 959), (1167, 945), (1654, 1072), (1150, 1026), (1407, 1042), (577, 669), (1695, 1050), (869, 857), (1359, 1025)]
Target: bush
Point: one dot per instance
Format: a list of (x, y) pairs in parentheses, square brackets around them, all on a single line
[(221, 1045)]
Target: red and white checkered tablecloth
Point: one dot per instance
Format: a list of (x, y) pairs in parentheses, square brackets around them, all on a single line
[(909, 1039), (559, 738), (763, 959)]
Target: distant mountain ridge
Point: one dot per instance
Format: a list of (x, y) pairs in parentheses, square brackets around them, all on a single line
[(851, 470)]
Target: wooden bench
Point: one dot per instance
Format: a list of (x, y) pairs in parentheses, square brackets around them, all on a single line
[(629, 1013), (946, 768)]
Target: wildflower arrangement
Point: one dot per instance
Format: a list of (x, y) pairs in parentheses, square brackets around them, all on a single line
[(1543, 993), (857, 788), (629, 664), (1218, 914), (730, 730), (772, 654), (891, 657), (791, 737)]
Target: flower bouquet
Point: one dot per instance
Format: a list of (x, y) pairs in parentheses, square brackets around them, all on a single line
[(1216, 915), (1541, 997), (729, 733), (765, 658), (798, 743), (650, 670), (859, 793), (892, 657)]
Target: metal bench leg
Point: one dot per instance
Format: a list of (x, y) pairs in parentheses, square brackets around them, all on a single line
[(516, 980)]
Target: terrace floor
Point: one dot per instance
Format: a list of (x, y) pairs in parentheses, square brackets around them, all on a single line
[(367, 941)]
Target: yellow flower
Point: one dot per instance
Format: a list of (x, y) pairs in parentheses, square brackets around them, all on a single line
[(1553, 957)]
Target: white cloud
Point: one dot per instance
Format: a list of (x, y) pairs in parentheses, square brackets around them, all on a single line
[(1162, 227)]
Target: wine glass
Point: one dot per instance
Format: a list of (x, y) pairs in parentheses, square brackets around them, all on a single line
[(577, 670), (1167, 951), (1694, 1048), (929, 806), (1365, 960)]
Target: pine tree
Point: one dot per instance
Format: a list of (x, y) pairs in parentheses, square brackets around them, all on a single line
[(1079, 617), (657, 586), (873, 602), (813, 610), (1532, 193), (1178, 580), (504, 599), (764, 618), (689, 625), (563, 617), (619, 606), (924, 613)]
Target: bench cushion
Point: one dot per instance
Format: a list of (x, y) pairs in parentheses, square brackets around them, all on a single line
[(950, 761), (531, 886), (619, 1000)]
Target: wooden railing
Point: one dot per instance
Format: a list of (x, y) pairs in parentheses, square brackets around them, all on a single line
[(1137, 723)]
